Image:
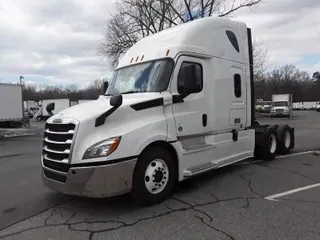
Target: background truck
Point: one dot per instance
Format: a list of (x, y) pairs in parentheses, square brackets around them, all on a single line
[(11, 105), (49, 107), (281, 105), (181, 102), (266, 107), (31, 107)]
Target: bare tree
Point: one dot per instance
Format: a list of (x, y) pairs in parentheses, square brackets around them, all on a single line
[(260, 57), (135, 19)]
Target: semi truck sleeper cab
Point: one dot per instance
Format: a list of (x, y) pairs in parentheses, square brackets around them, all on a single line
[(180, 103)]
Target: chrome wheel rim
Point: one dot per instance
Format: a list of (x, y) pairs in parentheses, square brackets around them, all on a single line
[(287, 139), (156, 176), (272, 143)]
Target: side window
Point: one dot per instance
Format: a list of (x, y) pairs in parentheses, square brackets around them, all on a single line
[(233, 39), (237, 85), (198, 77)]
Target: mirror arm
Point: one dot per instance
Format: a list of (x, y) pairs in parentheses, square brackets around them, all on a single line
[(102, 118), (178, 98)]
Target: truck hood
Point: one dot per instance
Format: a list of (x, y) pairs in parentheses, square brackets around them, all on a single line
[(95, 108)]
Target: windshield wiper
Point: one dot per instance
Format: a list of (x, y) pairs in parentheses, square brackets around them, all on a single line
[(130, 92)]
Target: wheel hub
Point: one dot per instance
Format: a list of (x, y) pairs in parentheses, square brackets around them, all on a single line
[(156, 176)]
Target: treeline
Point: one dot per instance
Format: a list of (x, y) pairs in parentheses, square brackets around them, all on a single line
[(72, 91), (286, 79)]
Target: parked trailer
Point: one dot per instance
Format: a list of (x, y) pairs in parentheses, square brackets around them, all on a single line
[(309, 105), (49, 107), (187, 108), (318, 106), (11, 105)]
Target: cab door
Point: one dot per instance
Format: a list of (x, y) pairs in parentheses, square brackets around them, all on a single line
[(190, 112)]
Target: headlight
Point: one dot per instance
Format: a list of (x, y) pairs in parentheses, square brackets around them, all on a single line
[(102, 148), (286, 110)]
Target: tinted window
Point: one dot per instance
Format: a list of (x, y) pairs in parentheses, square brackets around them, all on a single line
[(233, 39), (198, 79), (237, 85)]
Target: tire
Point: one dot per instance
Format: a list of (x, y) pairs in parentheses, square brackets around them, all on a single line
[(154, 177), (284, 139), (267, 148)]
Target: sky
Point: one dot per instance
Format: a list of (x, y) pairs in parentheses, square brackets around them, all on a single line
[(56, 41)]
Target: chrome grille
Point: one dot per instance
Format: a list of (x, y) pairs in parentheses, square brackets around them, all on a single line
[(58, 140), (279, 110)]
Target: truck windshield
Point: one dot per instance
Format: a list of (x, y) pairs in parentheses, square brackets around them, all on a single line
[(144, 77), (280, 104)]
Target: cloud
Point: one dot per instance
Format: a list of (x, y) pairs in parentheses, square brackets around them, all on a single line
[(56, 40), (289, 28)]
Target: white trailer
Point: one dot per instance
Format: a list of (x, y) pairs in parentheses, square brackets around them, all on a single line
[(11, 105), (309, 105), (318, 107), (181, 102), (295, 106), (50, 107), (281, 105)]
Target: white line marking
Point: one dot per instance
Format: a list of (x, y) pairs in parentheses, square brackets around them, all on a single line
[(294, 154), (273, 197)]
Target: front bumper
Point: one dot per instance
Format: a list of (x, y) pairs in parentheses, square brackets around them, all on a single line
[(280, 113), (94, 181)]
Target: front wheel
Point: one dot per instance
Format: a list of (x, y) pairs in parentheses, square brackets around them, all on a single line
[(154, 177)]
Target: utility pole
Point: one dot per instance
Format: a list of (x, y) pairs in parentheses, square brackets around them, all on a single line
[(21, 77)]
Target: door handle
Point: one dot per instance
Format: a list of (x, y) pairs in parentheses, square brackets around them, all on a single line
[(204, 120)]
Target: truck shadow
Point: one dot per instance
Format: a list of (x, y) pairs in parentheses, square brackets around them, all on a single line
[(188, 187)]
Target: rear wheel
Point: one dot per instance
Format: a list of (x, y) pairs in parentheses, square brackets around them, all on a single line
[(154, 177), (267, 148), (284, 139)]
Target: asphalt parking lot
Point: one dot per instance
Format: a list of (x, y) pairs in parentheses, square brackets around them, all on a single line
[(254, 199)]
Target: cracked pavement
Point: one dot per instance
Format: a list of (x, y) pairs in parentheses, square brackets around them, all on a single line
[(224, 204), (228, 203)]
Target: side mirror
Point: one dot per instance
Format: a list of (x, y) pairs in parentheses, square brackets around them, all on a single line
[(105, 86), (116, 101), (50, 107)]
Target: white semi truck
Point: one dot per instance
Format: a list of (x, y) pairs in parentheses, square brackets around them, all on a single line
[(11, 105), (50, 107), (281, 105), (180, 103)]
